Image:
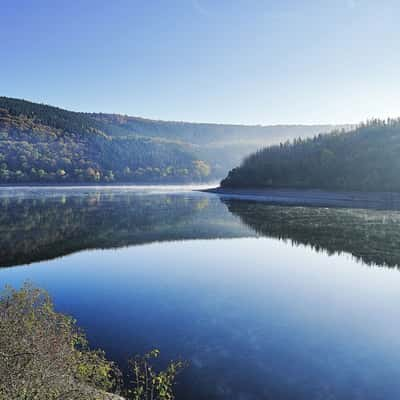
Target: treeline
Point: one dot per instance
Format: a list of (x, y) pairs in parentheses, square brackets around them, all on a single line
[(365, 159), (220, 146), (54, 117), (45, 144), (205, 133)]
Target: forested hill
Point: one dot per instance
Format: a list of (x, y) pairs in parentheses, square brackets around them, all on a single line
[(206, 133), (366, 159), (222, 146), (41, 143)]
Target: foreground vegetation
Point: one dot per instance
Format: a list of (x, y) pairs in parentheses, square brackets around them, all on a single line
[(365, 159), (45, 356)]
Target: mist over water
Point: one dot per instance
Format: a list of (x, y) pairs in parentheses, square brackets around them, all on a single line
[(46, 191)]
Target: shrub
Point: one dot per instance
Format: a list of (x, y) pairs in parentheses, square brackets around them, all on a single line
[(45, 356)]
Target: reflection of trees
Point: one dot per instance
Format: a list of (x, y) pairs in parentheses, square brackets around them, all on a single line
[(370, 236), (40, 228)]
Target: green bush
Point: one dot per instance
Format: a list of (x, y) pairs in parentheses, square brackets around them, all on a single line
[(45, 356)]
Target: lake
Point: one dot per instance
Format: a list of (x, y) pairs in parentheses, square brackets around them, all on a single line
[(264, 301)]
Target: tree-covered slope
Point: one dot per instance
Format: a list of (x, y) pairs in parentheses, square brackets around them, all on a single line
[(366, 159), (39, 143), (206, 133), (222, 146)]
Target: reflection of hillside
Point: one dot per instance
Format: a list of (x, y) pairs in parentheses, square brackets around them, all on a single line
[(370, 236), (41, 228)]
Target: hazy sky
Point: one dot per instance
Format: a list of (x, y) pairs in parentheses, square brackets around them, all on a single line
[(239, 61)]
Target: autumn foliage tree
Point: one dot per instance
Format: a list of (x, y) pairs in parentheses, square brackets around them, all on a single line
[(45, 356)]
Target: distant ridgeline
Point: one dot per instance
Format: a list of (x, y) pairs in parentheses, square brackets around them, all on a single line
[(364, 159), (40, 143)]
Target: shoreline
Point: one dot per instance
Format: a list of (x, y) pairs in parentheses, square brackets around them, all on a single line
[(101, 184), (167, 186), (312, 197)]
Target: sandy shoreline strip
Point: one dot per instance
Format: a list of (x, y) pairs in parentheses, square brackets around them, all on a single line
[(316, 198)]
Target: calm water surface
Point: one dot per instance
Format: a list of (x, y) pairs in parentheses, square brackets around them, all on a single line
[(267, 302)]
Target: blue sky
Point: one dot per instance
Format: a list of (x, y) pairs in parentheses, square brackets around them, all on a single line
[(238, 61)]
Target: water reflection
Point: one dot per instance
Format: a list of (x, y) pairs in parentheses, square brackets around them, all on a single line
[(35, 228), (371, 236), (41, 225), (258, 317)]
